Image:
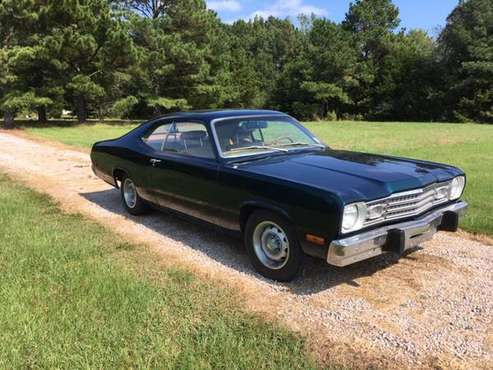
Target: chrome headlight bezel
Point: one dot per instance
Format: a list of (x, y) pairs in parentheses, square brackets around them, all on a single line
[(353, 217), (456, 187)]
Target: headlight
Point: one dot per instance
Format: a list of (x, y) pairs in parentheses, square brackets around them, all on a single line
[(353, 217), (457, 187)]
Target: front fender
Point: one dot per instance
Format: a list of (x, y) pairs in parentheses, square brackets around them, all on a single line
[(318, 215), (249, 206)]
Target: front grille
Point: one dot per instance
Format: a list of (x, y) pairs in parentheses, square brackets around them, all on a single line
[(409, 203)]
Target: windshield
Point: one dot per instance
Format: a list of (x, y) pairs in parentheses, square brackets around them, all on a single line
[(246, 136)]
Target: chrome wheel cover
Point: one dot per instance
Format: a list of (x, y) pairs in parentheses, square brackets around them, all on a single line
[(271, 245), (129, 193)]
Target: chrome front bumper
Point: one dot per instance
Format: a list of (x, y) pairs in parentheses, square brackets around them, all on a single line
[(396, 237)]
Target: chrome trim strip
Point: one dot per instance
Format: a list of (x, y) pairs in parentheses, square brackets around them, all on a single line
[(346, 251)]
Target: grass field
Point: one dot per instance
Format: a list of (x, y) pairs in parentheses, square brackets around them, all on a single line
[(468, 146), (74, 295)]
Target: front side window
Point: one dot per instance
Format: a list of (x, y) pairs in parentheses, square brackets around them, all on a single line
[(187, 138), (239, 137)]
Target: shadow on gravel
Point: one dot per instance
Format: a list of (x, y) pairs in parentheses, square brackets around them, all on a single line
[(227, 248)]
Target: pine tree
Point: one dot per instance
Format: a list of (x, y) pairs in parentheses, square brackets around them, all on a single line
[(23, 69), (467, 45), (147, 8), (372, 24), (180, 66), (92, 48)]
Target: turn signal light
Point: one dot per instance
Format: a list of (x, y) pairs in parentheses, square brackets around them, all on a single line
[(315, 239)]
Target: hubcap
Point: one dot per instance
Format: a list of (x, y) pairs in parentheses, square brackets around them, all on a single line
[(129, 193), (271, 245)]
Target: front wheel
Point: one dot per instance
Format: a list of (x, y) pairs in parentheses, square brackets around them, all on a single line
[(131, 200), (272, 246)]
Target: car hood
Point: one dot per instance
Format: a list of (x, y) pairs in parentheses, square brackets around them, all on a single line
[(350, 175)]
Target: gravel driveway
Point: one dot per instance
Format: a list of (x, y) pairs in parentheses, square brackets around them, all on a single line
[(432, 308)]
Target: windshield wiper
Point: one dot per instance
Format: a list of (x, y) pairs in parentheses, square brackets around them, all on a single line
[(255, 147), (303, 144)]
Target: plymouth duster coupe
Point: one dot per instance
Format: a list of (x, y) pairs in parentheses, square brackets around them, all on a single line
[(263, 174)]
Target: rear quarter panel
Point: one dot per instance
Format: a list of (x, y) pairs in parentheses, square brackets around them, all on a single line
[(108, 156)]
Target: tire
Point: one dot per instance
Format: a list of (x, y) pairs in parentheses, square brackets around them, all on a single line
[(272, 246), (133, 204)]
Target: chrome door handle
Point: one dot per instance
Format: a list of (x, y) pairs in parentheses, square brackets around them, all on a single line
[(154, 161)]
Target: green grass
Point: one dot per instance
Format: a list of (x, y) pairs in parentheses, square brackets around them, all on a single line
[(469, 146), (81, 135), (74, 295)]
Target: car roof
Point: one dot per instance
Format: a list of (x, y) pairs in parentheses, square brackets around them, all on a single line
[(212, 114)]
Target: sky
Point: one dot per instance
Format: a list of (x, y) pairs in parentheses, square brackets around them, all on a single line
[(429, 15)]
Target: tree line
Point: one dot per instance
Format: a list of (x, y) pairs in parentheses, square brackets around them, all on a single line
[(139, 58)]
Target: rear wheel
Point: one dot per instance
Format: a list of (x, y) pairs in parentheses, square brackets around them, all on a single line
[(272, 246), (131, 200)]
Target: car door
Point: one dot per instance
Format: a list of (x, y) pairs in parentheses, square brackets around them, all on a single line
[(183, 173)]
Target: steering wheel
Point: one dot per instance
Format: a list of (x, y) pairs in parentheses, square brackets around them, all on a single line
[(280, 139)]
